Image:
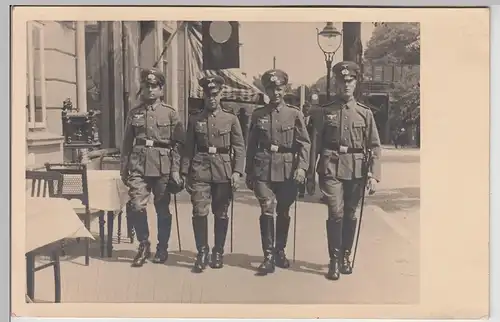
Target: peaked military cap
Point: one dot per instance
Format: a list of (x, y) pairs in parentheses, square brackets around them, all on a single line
[(211, 83), (274, 77), (152, 76), (346, 69)]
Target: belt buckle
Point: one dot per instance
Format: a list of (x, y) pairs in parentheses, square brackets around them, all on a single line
[(274, 148), (149, 143), (212, 150), (343, 149)]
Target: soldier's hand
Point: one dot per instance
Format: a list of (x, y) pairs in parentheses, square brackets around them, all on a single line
[(177, 178), (310, 186), (371, 186), (249, 183), (187, 186), (299, 176), (235, 181), (124, 176)]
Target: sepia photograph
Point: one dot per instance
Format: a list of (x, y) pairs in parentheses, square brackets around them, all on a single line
[(223, 162), (197, 154)]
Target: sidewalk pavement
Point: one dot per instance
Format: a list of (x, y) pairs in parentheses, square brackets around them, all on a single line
[(386, 271)]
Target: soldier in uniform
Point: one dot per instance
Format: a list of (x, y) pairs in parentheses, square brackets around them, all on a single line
[(342, 131), (277, 161), (150, 162), (211, 174)]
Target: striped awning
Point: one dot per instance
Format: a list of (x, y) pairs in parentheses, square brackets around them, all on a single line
[(237, 88)]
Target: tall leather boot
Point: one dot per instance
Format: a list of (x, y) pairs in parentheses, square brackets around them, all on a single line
[(334, 236), (142, 233), (267, 237), (282, 228), (348, 234), (220, 232), (200, 227), (164, 230)]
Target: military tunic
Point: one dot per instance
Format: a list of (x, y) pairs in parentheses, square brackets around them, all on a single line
[(207, 161), (337, 126), (278, 144), (149, 167)]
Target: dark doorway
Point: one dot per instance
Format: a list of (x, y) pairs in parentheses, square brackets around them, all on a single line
[(381, 115)]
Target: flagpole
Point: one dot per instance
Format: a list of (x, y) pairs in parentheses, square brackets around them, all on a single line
[(186, 74)]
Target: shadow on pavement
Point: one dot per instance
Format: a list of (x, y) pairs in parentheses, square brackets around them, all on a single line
[(389, 200), (244, 261)]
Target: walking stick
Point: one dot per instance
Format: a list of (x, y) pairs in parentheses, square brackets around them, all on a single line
[(231, 157), (177, 223), (366, 165), (232, 219), (295, 225)]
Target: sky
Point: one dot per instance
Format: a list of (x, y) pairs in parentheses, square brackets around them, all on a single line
[(293, 43)]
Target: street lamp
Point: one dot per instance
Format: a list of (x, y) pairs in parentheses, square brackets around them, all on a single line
[(329, 41)]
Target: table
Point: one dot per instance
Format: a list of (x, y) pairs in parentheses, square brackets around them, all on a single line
[(108, 194), (49, 220)]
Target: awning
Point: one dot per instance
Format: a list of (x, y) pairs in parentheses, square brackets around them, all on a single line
[(237, 87)]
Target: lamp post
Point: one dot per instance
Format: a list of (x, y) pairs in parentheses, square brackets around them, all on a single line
[(329, 41)]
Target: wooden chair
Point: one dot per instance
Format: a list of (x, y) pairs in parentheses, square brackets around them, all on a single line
[(111, 161), (42, 185), (75, 186)]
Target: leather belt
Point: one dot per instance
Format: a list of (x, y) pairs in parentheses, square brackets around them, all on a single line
[(152, 143), (343, 149), (213, 150), (277, 149)]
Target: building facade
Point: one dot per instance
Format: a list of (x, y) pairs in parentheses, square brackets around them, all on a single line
[(96, 66)]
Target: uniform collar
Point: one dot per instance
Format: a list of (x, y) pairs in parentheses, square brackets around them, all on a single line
[(277, 107), (154, 105), (351, 103), (213, 113)]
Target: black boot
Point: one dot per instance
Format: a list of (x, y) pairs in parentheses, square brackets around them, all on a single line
[(201, 239), (142, 232), (164, 229), (282, 228), (334, 236), (348, 234), (220, 232), (267, 236)]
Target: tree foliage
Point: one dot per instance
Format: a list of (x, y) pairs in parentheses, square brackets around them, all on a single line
[(399, 44), (395, 43)]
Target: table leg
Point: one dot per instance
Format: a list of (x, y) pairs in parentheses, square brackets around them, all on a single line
[(111, 219), (30, 276), (101, 231), (120, 227), (57, 276)]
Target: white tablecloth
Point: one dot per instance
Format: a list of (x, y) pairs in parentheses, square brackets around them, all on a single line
[(106, 190), (49, 220)]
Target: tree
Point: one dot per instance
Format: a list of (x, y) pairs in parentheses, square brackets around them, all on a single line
[(399, 44), (395, 43), (320, 84)]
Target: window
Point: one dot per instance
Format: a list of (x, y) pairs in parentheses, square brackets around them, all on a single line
[(36, 108)]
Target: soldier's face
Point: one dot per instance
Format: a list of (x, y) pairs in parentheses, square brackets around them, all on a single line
[(151, 91), (212, 100), (345, 87), (275, 93)]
